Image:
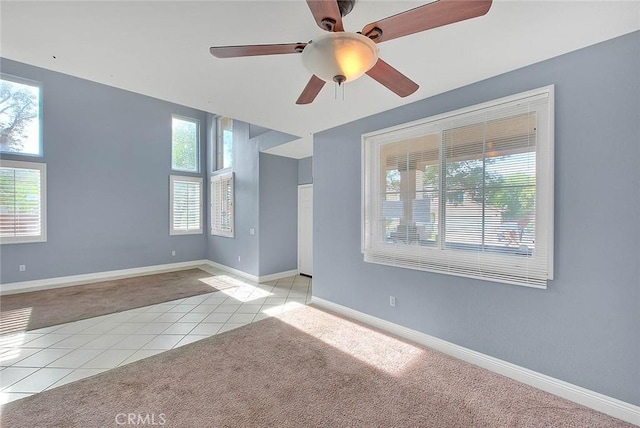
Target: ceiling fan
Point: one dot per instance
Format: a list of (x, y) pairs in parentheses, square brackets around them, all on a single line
[(341, 56)]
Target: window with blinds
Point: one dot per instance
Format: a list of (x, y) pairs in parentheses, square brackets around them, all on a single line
[(22, 202), (222, 205), (466, 193), (186, 205)]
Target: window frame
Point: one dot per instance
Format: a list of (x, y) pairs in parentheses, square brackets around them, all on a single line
[(42, 167), (24, 81), (197, 151), (438, 258), (190, 179), (213, 209)]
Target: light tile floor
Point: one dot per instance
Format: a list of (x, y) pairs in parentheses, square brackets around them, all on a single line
[(38, 360)]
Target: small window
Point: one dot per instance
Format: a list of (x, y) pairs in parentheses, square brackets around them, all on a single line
[(20, 117), (466, 193), (186, 205), (225, 143), (22, 202), (184, 144), (222, 205)]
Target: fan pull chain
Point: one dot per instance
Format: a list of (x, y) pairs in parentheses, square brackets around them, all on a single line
[(336, 88)]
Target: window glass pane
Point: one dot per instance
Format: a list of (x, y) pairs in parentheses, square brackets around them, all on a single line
[(184, 145), (469, 193), (513, 194), (225, 143), (19, 117), (490, 182), (411, 181)]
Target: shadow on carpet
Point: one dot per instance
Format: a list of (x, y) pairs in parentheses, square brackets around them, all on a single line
[(38, 309)]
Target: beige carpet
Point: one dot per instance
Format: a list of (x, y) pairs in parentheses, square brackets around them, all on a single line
[(306, 369), (37, 309)]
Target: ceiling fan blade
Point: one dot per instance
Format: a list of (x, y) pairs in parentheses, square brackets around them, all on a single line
[(432, 15), (310, 92), (255, 50), (327, 14), (392, 79)]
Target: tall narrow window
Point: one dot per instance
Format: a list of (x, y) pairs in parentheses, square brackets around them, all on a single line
[(22, 202), (186, 205), (222, 205), (184, 144), (20, 116), (466, 193), (225, 143)]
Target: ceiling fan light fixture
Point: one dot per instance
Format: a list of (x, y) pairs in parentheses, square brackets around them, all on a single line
[(342, 56)]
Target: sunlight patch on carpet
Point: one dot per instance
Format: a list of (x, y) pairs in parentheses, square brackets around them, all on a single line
[(277, 310), (372, 347)]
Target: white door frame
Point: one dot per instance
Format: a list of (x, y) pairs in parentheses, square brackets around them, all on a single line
[(300, 187)]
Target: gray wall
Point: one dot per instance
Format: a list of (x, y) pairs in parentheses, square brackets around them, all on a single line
[(278, 214), (265, 200), (305, 170), (108, 156), (225, 250), (272, 138), (584, 328)]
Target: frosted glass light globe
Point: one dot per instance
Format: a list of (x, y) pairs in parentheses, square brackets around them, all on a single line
[(345, 55)]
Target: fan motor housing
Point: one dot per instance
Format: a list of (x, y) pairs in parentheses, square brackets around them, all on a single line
[(345, 6)]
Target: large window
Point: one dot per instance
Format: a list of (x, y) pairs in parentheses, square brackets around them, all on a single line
[(22, 202), (186, 205), (222, 205), (225, 143), (184, 144), (466, 193), (19, 116)]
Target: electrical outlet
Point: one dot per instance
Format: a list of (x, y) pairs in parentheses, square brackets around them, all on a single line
[(252, 231), (173, 253), (238, 258), (23, 268), (392, 301)]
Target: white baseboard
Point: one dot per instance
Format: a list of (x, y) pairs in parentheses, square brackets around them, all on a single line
[(66, 281), (279, 275), (237, 272), (594, 400), (250, 277)]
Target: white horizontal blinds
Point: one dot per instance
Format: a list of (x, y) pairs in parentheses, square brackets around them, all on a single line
[(21, 201), (410, 190), (216, 202), (222, 216), (469, 194), (186, 205), (490, 186)]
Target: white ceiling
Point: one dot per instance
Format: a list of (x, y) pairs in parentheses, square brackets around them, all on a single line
[(161, 49)]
